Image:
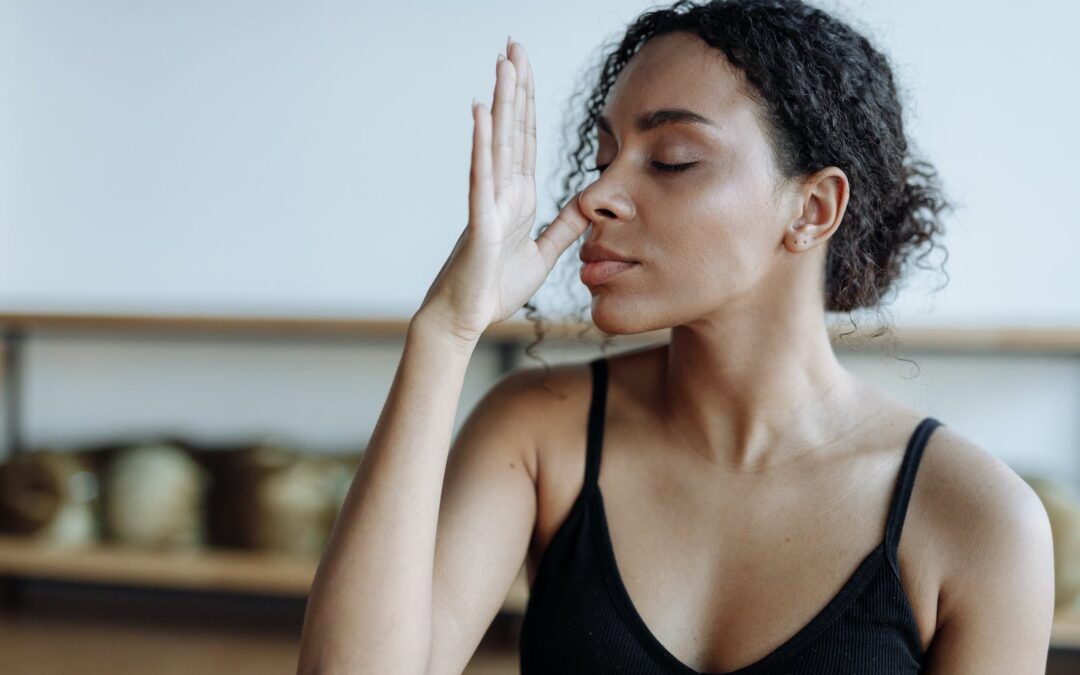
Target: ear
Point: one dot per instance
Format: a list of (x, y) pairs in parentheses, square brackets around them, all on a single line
[(824, 197)]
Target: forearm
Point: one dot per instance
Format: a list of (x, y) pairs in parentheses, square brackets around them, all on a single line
[(370, 606)]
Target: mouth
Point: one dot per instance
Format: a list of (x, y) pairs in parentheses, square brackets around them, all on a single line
[(597, 272)]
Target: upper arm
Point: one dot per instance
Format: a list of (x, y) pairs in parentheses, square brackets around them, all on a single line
[(486, 517), (997, 604)]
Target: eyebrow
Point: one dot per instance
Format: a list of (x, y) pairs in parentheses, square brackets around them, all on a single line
[(648, 121)]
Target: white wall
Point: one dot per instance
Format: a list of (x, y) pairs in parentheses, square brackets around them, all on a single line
[(312, 158), (318, 394), (267, 156)]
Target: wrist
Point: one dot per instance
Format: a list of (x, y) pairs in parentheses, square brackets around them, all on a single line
[(430, 325)]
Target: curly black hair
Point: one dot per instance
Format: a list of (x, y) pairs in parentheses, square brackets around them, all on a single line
[(827, 98)]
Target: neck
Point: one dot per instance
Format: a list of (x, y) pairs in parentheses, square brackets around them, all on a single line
[(757, 392)]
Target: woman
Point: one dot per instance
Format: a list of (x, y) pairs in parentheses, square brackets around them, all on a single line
[(753, 490)]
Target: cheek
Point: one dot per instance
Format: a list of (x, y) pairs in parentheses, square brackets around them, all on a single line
[(712, 222), (713, 243), (740, 209), (715, 222)]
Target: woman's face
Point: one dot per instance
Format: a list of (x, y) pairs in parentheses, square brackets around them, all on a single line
[(708, 239)]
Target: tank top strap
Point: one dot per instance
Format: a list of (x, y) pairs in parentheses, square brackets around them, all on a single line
[(597, 407), (909, 466)]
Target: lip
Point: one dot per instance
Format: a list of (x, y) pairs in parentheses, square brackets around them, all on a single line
[(596, 272), (593, 251)]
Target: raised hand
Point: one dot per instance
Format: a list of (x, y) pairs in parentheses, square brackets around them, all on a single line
[(496, 265)]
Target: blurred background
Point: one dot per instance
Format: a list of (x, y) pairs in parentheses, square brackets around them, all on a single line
[(216, 219)]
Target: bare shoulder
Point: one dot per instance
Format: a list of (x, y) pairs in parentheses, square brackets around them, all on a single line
[(997, 586), (975, 494), (537, 400)]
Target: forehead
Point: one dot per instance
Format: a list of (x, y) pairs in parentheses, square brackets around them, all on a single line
[(678, 70)]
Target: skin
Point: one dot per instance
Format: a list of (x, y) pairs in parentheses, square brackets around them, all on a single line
[(748, 413)]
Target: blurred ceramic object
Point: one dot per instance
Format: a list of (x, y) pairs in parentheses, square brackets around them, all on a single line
[(51, 496), (288, 500), (154, 497)]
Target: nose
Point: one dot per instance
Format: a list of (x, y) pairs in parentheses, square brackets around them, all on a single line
[(606, 200)]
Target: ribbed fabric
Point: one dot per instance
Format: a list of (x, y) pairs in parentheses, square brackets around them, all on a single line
[(580, 619)]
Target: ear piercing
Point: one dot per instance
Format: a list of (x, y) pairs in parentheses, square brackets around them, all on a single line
[(802, 239)]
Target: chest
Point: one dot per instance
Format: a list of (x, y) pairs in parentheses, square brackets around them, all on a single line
[(722, 572)]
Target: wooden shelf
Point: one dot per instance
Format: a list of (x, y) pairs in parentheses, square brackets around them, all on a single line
[(221, 570), (1051, 340)]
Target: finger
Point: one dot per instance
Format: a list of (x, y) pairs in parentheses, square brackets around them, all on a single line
[(529, 162), (481, 191), (503, 124), (562, 232), (517, 57)]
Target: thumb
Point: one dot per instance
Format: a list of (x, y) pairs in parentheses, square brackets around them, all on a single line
[(562, 231)]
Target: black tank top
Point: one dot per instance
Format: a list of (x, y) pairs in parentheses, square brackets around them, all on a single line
[(580, 619)]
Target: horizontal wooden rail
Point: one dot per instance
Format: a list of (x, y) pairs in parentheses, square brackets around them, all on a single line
[(216, 570), (1065, 340)]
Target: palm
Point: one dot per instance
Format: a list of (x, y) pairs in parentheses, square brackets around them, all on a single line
[(521, 267), (496, 265)]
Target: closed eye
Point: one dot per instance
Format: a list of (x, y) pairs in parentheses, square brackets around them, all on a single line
[(666, 168)]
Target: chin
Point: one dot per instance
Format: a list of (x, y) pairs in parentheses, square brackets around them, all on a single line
[(618, 316)]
